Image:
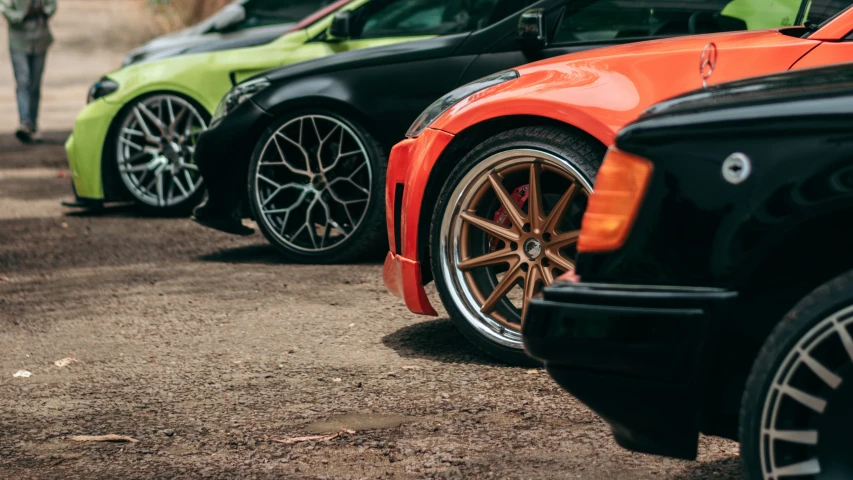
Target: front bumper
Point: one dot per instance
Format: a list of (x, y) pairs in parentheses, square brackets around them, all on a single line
[(224, 151), (638, 356), (85, 148), (409, 167)]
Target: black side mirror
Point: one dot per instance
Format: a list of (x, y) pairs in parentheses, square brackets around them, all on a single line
[(531, 28), (340, 28)]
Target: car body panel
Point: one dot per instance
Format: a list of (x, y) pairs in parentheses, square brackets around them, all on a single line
[(601, 91), (204, 36), (724, 241), (204, 78)]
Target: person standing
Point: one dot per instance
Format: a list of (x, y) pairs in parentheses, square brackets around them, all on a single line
[(29, 39)]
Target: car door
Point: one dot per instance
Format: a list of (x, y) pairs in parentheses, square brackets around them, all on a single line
[(576, 25)]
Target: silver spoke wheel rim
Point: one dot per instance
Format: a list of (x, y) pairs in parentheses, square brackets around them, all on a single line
[(453, 253), (313, 183), (156, 145), (782, 432)]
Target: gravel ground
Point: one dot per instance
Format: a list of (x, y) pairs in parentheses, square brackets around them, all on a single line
[(207, 348)]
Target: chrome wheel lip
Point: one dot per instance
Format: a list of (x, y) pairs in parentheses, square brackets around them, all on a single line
[(797, 357), (451, 229), (274, 231), (161, 160)]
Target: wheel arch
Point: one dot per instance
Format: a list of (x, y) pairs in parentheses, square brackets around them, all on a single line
[(462, 143), (112, 184)]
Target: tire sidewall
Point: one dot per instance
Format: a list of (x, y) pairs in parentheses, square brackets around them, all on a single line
[(530, 138), (366, 238)]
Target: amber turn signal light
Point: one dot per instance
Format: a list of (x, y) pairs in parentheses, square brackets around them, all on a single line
[(619, 189)]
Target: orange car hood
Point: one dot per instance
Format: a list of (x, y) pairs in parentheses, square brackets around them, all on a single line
[(601, 90)]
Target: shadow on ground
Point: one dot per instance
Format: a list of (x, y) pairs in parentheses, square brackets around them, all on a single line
[(728, 468), (49, 154), (254, 254), (437, 340)]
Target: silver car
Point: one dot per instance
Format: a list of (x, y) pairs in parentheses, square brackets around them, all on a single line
[(242, 23)]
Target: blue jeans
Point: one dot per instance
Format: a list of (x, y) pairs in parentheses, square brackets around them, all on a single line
[(29, 68)]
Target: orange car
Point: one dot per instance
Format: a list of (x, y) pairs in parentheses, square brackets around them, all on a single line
[(486, 194)]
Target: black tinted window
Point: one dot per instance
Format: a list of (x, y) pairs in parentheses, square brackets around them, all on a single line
[(390, 18), (607, 20), (819, 11), (261, 13)]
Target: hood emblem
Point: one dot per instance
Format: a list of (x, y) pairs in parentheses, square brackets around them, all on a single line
[(736, 168), (707, 63)]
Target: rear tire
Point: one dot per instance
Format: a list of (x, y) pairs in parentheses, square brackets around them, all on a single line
[(481, 303), (316, 183), (797, 408)]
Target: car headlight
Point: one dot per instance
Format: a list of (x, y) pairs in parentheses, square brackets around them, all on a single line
[(101, 88), (444, 103), (237, 96)]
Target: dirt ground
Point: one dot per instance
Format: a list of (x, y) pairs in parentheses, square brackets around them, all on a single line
[(207, 348)]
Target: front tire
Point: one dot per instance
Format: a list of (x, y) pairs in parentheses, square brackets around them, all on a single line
[(154, 143), (506, 225), (796, 415), (315, 188)]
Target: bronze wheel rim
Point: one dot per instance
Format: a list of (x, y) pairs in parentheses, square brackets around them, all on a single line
[(512, 230)]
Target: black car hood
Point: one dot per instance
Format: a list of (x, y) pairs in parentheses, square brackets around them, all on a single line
[(370, 57), (791, 86)]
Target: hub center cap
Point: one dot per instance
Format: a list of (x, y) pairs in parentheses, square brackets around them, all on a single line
[(319, 183), (533, 248)]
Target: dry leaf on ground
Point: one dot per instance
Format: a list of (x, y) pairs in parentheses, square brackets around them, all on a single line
[(65, 362), (313, 438)]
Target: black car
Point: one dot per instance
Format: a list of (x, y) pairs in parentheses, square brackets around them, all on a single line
[(307, 153), (723, 302)]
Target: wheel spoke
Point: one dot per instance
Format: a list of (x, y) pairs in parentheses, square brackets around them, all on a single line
[(828, 377), (160, 194), (563, 240), (803, 437), (815, 403), (510, 206), (490, 227), (560, 261), (149, 136), (559, 210), (154, 118), (501, 256), (177, 181), (808, 467), (512, 276), (846, 339), (284, 161), (532, 285), (535, 210)]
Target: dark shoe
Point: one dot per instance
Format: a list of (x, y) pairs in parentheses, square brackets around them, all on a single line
[(24, 133), (208, 217)]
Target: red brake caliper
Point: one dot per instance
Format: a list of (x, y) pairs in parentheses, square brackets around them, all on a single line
[(520, 195)]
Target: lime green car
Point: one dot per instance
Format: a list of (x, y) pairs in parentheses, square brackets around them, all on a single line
[(136, 137)]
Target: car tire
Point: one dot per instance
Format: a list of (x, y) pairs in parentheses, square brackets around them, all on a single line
[(567, 162), (797, 409), (150, 150), (316, 183)]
